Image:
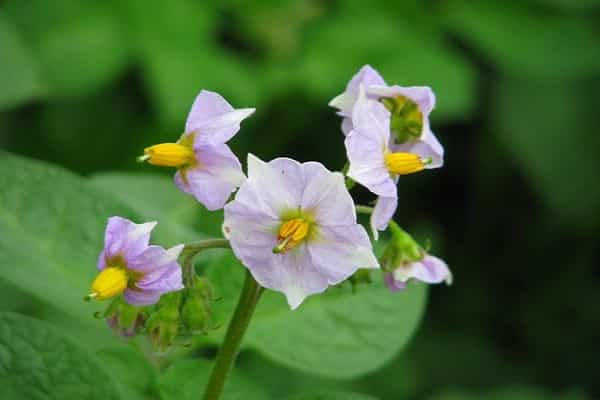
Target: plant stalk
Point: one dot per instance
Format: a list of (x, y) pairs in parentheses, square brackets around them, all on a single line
[(233, 338)]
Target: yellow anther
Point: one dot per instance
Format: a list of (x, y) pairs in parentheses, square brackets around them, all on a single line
[(110, 282), (168, 155), (405, 163), (291, 234)]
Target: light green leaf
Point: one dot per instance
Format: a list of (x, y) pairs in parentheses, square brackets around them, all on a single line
[(130, 370), (38, 362), (52, 227), (526, 43), (181, 218), (186, 379), (79, 44), (19, 79), (337, 334)]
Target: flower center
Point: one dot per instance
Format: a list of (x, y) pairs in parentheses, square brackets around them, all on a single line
[(291, 234), (405, 163), (406, 122), (168, 155), (110, 282)]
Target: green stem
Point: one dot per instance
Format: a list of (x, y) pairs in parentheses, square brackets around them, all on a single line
[(364, 210), (233, 338), (191, 250)]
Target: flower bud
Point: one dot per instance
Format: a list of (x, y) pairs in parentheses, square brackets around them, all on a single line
[(196, 311), (401, 249), (125, 319), (163, 324)]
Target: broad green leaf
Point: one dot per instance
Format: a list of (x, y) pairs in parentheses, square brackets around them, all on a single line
[(52, 227), (38, 362), (528, 43), (130, 370), (155, 196), (331, 396), (337, 334), (550, 130), (186, 379), (19, 78), (79, 44)]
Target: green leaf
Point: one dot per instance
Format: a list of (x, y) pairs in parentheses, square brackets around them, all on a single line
[(550, 130), (132, 373), (331, 396), (337, 334), (19, 79), (79, 45), (52, 227), (186, 379), (155, 196), (516, 38), (38, 362)]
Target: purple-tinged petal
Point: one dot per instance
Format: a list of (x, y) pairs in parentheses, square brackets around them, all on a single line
[(392, 284), (427, 147), (164, 280), (213, 119), (366, 77), (155, 258), (347, 126), (293, 274), (432, 270), (367, 163), (338, 251), (384, 210), (326, 197), (422, 95), (125, 238), (218, 173), (141, 297), (277, 185)]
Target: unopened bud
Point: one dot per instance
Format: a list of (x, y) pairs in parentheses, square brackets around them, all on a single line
[(163, 324)]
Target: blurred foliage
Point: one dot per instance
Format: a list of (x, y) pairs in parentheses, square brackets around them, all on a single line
[(515, 211)]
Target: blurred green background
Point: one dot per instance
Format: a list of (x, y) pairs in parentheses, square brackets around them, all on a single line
[(515, 211)]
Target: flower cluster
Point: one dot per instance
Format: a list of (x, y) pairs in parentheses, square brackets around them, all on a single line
[(293, 225)]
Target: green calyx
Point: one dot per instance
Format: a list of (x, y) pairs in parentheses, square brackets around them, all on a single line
[(196, 310), (406, 123), (163, 324), (126, 319), (401, 249)]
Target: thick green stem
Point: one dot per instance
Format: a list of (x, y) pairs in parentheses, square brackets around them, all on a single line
[(191, 250), (233, 338)]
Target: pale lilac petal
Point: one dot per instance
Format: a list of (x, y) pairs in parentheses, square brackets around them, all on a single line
[(141, 297), (155, 258), (367, 163), (125, 238), (338, 251), (164, 280), (366, 77), (392, 284), (432, 270), (101, 263), (213, 119), (276, 185), (347, 126), (384, 210), (326, 197), (218, 173), (252, 234), (291, 273), (427, 147), (423, 96)]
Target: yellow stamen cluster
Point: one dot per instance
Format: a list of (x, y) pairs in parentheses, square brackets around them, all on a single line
[(405, 163), (168, 155), (291, 234), (110, 282)]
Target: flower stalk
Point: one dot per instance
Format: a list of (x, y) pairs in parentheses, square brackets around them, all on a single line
[(191, 250), (233, 338)]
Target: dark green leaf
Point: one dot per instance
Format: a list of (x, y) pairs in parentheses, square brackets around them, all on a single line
[(38, 362)]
